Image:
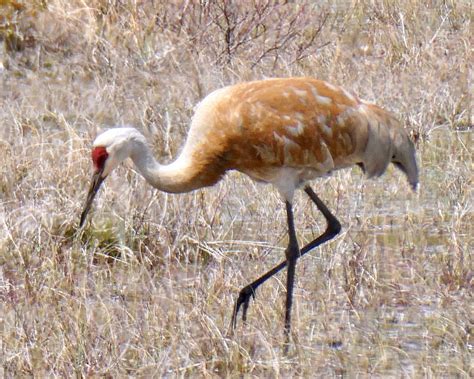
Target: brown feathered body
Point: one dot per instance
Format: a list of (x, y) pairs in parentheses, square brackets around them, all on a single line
[(287, 132)]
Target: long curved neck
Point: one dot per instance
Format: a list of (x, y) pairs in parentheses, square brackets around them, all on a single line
[(176, 177)]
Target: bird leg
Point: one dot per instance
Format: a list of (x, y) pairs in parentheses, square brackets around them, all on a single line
[(332, 229), (292, 253)]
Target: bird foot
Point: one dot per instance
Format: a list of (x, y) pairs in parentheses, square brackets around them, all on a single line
[(243, 299)]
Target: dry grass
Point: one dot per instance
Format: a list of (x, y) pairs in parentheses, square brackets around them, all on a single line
[(147, 289)]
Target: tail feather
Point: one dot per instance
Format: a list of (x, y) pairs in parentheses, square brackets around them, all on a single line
[(388, 141)]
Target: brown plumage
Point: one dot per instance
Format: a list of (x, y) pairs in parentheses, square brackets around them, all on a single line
[(280, 131)]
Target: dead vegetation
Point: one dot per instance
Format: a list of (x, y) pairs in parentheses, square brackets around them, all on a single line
[(147, 289)]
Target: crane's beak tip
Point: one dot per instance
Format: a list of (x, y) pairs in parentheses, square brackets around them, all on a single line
[(96, 182), (83, 219)]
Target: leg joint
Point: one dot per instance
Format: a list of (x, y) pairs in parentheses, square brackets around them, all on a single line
[(334, 227)]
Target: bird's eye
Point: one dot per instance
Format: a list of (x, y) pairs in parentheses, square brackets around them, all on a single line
[(99, 156)]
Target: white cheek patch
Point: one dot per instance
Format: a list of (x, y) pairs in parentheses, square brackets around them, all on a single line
[(117, 154), (110, 164)]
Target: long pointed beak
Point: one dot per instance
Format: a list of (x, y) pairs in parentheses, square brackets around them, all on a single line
[(97, 180)]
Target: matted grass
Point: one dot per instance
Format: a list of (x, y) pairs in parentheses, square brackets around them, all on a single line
[(147, 289)]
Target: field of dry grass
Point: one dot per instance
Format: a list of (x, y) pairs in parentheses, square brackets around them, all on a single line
[(147, 289)]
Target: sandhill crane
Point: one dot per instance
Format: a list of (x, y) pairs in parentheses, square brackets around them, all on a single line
[(280, 131)]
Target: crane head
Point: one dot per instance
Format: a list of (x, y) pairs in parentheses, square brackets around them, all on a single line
[(99, 157), (109, 150)]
